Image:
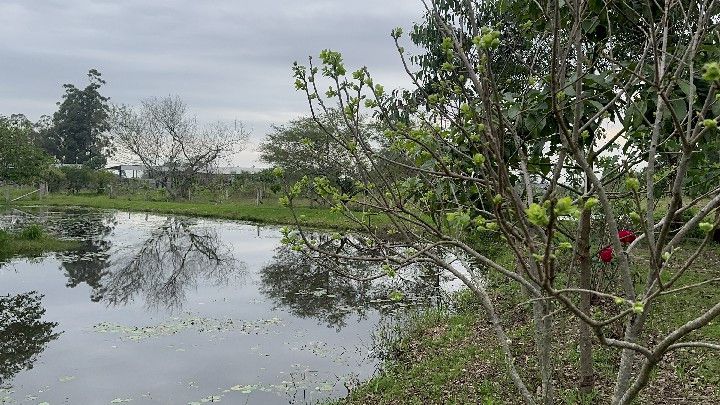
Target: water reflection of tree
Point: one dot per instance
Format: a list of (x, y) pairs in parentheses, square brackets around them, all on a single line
[(312, 287), (23, 336), (92, 264), (169, 263)]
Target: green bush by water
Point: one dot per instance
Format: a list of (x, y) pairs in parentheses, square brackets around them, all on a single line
[(31, 241), (32, 232)]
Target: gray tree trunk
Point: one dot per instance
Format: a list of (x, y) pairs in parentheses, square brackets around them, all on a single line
[(543, 345), (587, 373)]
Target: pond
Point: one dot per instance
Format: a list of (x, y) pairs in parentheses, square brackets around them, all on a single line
[(160, 309)]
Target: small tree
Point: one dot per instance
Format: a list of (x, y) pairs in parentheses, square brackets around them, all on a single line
[(171, 143), (528, 159), (80, 178), (21, 161), (302, 148)]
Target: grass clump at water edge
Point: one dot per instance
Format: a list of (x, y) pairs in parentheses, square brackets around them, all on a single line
[(31, 241)]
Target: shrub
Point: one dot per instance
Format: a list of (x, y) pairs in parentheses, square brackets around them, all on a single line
[(56, 179), (32, 232), (4, 236), (76, 179)]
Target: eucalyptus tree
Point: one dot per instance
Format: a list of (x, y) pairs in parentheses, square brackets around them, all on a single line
[(78, 131), (598, 128)]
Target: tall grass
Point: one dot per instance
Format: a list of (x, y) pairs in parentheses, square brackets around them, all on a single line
[(31, 241)]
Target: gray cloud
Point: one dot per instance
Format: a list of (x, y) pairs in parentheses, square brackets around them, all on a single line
[(227, 59)]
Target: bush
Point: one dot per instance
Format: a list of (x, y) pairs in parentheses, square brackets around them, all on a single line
[(101, 179), (32, 232), (685, 217), (76, 179), (56, 179)]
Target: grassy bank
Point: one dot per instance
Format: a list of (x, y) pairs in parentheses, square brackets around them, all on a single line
[(269, 212), (31, 242), (442, 358), (452, 356)]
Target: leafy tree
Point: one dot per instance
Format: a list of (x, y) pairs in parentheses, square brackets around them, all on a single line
[(532, 163), (516, 55), (79, 178), (20, 160), (77, 133), (302, 148)]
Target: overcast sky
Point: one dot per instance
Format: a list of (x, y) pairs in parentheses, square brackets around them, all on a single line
[(227, 59)]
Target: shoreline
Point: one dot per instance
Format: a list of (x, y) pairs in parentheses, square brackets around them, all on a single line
[(268, 213)]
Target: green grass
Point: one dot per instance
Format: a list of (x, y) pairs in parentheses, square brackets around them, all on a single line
[(436, 354), (451, 357), (15, 192), (31, 242), (701, 365), (269, 213)]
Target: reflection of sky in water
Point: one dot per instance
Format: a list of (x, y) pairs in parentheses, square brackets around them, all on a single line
[(234, 337)]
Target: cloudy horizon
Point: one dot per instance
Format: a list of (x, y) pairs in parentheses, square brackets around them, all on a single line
[(228, 61)]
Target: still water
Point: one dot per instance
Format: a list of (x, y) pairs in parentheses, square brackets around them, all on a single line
[(169, 310)]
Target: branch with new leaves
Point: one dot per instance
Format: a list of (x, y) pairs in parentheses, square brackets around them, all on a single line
[(591, 152)]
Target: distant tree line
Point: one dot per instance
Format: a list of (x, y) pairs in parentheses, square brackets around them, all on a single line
[(68, 149), (76, 134)]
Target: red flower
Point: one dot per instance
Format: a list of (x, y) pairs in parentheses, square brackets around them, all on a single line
[(606, 255), (626, 237)]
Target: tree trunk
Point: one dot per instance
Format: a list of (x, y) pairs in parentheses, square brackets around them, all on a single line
[(587, 374), (627, 358), (543, 345)]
